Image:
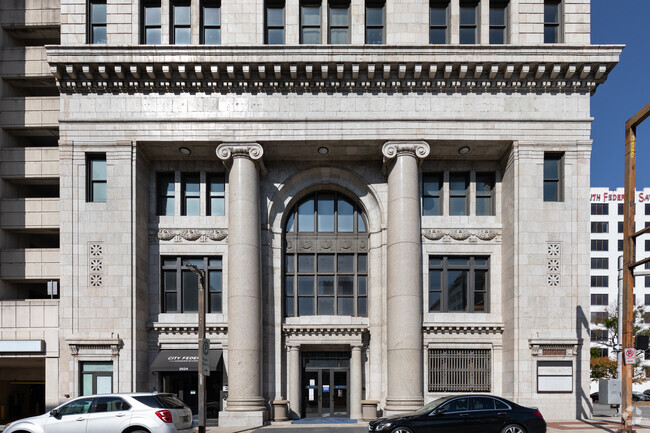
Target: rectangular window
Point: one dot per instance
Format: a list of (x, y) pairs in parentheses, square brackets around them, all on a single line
[(598, 316), (600, 299), (647, 245), (599, 227), (458, 284), (602, 351), (620, 245), (96, 377), (96, 177), (180, 286), (599, 245), (310, 22), (191, 190), (621, 228), (600, 208), (211, 22), (468, 21), (484, 193), (431, 193), (647, 281), (647, 298), (166, 193), (375, 21), (438, 19), (598, 335), (339, 22), (97, 22), (647, 209), (599, 263), (216, 195), (151, 22), (274, 22), (552, 21), (458, 185), (498, 21), (553, 176), (459, 370), (181, 23), (599, 281), (621, 209)]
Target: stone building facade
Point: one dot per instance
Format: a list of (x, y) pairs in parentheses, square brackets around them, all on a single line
[(389, 201)]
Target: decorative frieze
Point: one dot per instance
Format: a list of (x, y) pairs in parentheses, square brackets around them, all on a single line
[(552, 347), (491, 328), (461, 235), (326, 245), (324, 330), (190, 235)]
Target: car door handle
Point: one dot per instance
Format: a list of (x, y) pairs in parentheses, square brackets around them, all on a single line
[(501, 413), (81, 418), (120, 414), (464, 414)]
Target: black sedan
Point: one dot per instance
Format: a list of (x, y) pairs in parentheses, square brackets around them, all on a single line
[(466, 414)]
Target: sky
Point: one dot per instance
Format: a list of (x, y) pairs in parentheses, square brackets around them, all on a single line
[(626, 91)]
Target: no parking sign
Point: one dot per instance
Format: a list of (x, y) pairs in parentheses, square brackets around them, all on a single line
[(630, 355)]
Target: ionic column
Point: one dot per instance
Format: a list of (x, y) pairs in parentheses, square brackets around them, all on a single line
[(244, 280), (404, 291), (355, 383), (293, 377)]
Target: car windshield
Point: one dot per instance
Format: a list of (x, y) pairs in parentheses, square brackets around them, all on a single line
[(427, 408)]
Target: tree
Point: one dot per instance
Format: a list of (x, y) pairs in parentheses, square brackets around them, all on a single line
[(603, 367)]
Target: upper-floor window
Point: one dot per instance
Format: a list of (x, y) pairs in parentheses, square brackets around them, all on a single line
[(97, 22), (181, 23), (180, 286), (431, 193), (96, 177), (375, 21), (600, 299), (599, 281), (599, 227), (498, 21), (553, 172), (191, 194), (274, 22), (458, 186), (647, 209), (484, 193), (599, 245), (191, 190), (621, 228), (621, 209), (339, 22), (552, 11), (458, 284), (151, 22), (438, 19), (216, 195), (600, 208), (468, 21), (166, 186), (599, 263), (310, 22), (620, 245), (598, 317), (211, 22)]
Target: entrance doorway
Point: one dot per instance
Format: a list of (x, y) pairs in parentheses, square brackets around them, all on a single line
[(325, 385)]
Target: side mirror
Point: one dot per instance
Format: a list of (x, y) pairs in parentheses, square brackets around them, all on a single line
[(54, 413), (439, 411)]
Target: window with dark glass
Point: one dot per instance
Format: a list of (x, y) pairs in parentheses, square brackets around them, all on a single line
[(216, 195), (599, 263), (598, 335), (647, 281), (151, 22), (621, 209), (274, 22), (375, 21), (599, 245), (181, 23), (339, 22), (620, 227), (468, 21), (553, 176), (458, 186), (598, 316), (620, 245), (551, 21), (331, 280), (191, 190), (647, 209), (310, 22), (484, 193), (97, 22), (647, 245), (438, 21), (211, 22), (96, 177), (166, 193), (602, 351), (599, 227), (600, 208), (599, 299), (180, 286), (498, 20), (431, 193), (458, 284), (599, 281)]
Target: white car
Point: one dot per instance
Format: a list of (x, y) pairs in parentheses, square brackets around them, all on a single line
[(112, 413)]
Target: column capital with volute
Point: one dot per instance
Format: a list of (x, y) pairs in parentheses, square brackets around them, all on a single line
[(392, 149), (254, 151)]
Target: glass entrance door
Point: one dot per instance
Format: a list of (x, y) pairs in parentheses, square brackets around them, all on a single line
[(325, 392)]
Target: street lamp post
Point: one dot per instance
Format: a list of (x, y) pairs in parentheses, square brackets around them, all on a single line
[(202, 344)]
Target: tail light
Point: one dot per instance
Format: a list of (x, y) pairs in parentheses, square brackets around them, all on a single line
[(538, 413), (165, 416)]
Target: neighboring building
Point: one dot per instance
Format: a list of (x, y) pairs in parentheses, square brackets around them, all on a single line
[(607, 247), (388, 200)]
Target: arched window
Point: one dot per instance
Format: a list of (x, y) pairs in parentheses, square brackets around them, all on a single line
[(326, 257)]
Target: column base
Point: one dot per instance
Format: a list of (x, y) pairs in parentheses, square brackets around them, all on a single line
[(251, 418), (396, 406)]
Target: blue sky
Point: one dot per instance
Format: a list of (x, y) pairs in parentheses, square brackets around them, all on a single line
[(625, 92)]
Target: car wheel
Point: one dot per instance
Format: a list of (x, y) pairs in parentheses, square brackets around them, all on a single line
[(402, 430), (513, 428)]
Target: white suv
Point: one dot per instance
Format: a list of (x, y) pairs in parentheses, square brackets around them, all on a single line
[(112, 413)]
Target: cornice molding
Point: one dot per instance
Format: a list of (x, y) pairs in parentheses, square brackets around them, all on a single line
[(359, 69)]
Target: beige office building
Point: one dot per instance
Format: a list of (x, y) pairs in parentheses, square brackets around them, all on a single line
[(389, 201)]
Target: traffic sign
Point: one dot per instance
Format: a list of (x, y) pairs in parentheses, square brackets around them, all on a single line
[(630, 355), (205, 351)]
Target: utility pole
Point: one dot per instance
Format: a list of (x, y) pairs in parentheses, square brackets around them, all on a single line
[(203, 353), (629, 261)]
